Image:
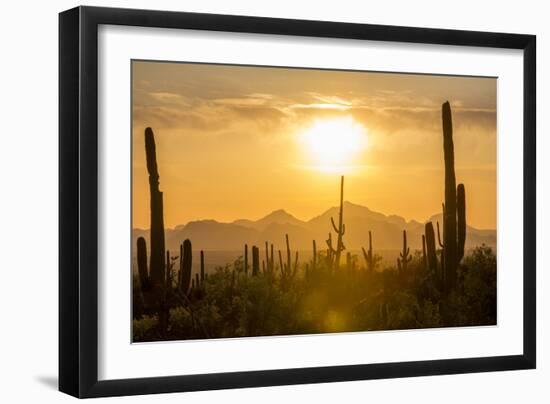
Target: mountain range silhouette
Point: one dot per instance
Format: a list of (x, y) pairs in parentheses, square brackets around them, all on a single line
[(386, 231)]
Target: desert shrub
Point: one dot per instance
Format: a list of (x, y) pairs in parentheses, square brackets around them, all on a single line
[(230, 303), (145, 329)]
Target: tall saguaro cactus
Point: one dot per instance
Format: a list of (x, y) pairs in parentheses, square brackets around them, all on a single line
[(340, 229), (202, 266), (454, 213), (158, 264), (449, 219)]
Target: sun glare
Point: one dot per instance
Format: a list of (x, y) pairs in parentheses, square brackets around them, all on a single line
[(333, 144)]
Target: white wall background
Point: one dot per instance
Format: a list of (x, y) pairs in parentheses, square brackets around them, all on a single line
[(28, 201)]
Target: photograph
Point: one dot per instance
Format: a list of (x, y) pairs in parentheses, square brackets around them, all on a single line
[(277, 201)]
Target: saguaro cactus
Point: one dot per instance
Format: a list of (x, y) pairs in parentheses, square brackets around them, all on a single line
[(288, 254), (202, 266), (330, 251), (246, 259), (404, 257), (449, 220), (142, 263), (454, 234), (186, 263), (255, 260), (158, 264), (272, 259), (370, 258), (424, 259), (431, 255), (340, 229), (314, 260), (266, 262)]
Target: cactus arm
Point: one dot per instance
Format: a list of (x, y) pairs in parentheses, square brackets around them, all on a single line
[(334, 225), (439, 237), (366, 256), (329, 244)]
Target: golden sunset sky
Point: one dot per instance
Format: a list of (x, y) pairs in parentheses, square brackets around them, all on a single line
[(238, 142)]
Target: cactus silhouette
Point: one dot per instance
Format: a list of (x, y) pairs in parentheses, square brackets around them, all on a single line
[(330, 250), (255, 260), (431, 254), (340, 229), (142, 264), (246, 259), (271, 260), (186, 263), (370, 258), (288, 254), (453, 240), (454, 213), (202, 266), (265, 264), (404, 257), (157, 265), (424, 259), (314, 259)]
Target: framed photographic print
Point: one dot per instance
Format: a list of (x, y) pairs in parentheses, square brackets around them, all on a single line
[(251, 201)]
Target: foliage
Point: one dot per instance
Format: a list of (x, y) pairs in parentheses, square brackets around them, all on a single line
[(231, 303)]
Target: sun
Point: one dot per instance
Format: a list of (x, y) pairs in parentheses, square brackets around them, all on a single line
[(333, 144)]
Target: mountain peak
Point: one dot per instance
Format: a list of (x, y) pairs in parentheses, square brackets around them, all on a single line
[(279, 216), (279, 213)]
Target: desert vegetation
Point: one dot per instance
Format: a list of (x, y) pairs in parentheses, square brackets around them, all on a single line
[(270, 290)]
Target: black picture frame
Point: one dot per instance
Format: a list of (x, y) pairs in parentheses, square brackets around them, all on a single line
[(78, 201)]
